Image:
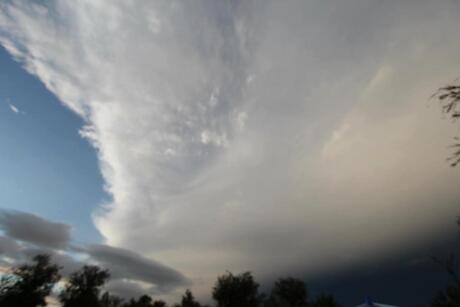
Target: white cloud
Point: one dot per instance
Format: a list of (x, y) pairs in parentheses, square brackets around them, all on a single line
[(254, 135), (13, 108)]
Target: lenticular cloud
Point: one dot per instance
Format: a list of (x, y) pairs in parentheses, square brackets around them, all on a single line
[(234, 135)]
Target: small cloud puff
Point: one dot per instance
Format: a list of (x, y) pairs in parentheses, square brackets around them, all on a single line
[(15, 109)]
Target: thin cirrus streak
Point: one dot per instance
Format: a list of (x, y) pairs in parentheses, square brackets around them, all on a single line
[(234, 135)]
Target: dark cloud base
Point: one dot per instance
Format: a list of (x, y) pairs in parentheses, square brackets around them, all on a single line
[(402, 280)]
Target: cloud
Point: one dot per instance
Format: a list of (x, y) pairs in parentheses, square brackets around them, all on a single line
[(129, 270), (8, 246), (14, 108), (128, 289), (126, 264), (68, 262), (264, 135), (131, 274), (34, 229)]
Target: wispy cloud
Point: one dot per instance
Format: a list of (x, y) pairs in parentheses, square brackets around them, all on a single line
[(263, 135), (13, 108)]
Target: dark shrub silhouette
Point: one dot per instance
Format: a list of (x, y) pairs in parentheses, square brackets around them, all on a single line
[(236, 290), (84, 286), (288, 292), (29, 284)]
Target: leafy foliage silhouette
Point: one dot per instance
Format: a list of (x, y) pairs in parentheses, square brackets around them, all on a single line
[(449, 99), (159, 304), (144, 301), (29, 284), (108, 300), (236, 290), (289, 292), (83, 287), (188, 300)]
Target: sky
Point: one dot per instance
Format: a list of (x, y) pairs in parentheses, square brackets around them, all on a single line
[(190, 138), (41, 146)]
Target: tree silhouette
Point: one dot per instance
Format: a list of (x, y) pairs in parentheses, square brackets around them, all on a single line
[(236, 290), (288, 292), (108, 300), (188, 300), (83, 287), (159, 304), (449, 99), (145, 301), (325, 301), (29, 284)]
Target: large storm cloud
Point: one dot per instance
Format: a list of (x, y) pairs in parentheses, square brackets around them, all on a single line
[(276, 136)]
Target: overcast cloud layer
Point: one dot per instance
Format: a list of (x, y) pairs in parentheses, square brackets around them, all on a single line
[(276, 136)]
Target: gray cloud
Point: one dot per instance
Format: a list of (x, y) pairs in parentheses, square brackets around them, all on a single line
[(123, 263), (64, 260), (128, 289), (230, 132), (8, 246), (131, 273), (34, 229)]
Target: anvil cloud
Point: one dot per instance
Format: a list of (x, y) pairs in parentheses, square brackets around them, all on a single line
[(277, 136)]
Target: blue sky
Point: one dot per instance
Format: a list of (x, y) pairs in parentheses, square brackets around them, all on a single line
[(46, 167)]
